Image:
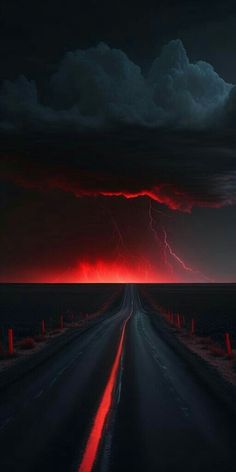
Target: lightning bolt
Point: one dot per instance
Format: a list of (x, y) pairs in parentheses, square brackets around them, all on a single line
[(158, 238), (121, 248), (175, 256), (168, 250), (120, 237), (124, 252), (152, 223)]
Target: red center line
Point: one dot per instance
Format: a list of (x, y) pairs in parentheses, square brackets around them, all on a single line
[(95, 436)]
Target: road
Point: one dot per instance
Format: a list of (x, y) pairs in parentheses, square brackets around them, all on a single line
[(117, 399)]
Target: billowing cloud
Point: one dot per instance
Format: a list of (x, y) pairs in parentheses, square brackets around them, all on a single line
[(180, 169), (101, 87)]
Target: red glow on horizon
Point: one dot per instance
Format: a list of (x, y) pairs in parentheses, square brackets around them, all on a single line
[(95, 436), (104, 271), (120, 272)]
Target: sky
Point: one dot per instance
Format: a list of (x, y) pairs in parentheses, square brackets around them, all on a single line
[(117, 127)]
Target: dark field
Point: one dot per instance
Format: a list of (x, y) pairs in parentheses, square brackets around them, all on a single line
[(23, 306), (212, 305)]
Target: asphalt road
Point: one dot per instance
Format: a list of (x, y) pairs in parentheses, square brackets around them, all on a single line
[(160, 417)]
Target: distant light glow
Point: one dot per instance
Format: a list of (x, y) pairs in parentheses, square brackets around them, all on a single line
[(102, 271), (120, 270)]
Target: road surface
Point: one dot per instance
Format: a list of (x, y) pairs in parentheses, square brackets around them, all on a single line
[(117, 399)]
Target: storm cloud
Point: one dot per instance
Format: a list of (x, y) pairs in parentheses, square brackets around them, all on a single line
[(178, 169), (101, 87)]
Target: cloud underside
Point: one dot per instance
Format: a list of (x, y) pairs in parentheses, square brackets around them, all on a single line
[(101, 87), (180, 171)]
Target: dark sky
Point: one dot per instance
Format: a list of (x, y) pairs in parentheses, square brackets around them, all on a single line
[(115, 167), (34, 35)]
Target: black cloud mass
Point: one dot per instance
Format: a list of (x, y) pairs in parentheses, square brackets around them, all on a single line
[(101, 87)]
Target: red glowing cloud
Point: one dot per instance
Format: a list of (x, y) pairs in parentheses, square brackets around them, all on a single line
[(174, 173), (89, 184)]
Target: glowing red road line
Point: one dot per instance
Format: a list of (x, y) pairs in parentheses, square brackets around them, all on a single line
[(95, 436), (10, 341)]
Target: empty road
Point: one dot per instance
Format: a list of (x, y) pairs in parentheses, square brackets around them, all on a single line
[(118, 398)]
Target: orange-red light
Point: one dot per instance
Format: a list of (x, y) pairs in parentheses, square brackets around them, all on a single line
[(95, 436)]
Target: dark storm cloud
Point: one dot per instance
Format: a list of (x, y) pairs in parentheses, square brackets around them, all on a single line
[(178, 169), (101, 87)]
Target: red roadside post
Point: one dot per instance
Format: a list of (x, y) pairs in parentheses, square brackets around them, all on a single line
[(228, 344), (10, 341), (43, 328), (175, 320), (193, 326), (178, 321), (61, 322)]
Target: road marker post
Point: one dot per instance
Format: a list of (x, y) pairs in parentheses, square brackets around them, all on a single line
[(43, 328), (178, 321), (10, 341), (61, 322), (193, 326), (228, 344)]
